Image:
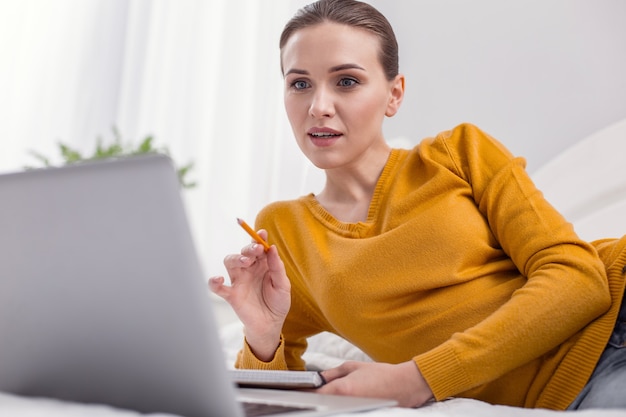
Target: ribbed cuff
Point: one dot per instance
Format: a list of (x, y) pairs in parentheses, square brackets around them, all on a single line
[(247, 360), (443, 372)]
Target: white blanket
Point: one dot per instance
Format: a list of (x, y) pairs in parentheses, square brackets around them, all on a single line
[(15, 406)]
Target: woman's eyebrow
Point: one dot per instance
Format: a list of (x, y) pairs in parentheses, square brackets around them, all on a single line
[(345, 67), (297, 71), (336, 68)]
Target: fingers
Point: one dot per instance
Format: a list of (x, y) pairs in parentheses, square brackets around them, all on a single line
[(402, 382), (252, 267), (251, 253), (243, 260), (216, 282), (340, 371), (253, 250), (216, 285)]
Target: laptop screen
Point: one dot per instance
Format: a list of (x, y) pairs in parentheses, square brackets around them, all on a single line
[(102, 298)]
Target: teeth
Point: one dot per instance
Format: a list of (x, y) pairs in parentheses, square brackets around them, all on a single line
[(323, 135)]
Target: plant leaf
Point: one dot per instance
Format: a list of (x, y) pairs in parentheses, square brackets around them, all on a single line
[(117, 148), (69, 155)]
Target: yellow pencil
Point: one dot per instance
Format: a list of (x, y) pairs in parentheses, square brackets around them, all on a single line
[(254, 234)]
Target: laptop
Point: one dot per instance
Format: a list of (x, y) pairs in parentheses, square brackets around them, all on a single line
[(103, 300)]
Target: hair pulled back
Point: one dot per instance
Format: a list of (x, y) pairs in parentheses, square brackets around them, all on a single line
[(351, 13)]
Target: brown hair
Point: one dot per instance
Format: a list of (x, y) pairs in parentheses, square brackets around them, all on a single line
[(352, 13)]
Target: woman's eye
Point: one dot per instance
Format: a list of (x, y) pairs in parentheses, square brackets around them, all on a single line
[(347, 82), (299, 85)]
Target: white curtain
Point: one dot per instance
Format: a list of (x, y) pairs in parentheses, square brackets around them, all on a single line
[(202, 76)]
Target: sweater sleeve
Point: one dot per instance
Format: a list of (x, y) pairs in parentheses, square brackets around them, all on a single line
[(566, 284), (246, 359)]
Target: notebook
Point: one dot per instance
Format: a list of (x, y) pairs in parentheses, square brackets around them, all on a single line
[(260, 378), (103, 298)]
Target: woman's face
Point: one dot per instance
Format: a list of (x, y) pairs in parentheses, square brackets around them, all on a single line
[(336, 93)]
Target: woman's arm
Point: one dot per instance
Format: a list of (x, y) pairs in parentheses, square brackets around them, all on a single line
[(566, 284), (259, 294)]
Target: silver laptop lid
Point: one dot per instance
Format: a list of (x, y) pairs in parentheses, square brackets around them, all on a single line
[(102, 298)]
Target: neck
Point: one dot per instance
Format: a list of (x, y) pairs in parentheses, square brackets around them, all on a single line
[(348, 190)]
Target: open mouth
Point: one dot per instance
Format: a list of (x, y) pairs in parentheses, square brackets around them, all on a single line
[(324, 139), (320, 135)]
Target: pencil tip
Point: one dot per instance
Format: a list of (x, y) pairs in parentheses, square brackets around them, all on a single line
[(239, 220)]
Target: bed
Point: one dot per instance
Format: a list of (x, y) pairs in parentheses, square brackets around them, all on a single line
[(587, 183)]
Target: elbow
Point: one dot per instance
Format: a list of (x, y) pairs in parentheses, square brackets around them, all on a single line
[(598, 295)]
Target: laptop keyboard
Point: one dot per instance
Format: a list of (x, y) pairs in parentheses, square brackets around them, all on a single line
[(261, 409)]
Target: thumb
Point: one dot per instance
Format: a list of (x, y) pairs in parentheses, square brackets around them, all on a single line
[(274, 262)]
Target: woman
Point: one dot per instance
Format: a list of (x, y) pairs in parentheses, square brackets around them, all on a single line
[(443, 263)]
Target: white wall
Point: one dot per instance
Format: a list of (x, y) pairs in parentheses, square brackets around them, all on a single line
[(539, 75)]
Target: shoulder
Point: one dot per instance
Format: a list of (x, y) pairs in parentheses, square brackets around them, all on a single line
[(466, 148), (466, 138), (280, 211)]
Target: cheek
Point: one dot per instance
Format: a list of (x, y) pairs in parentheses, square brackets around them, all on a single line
[(294, 108), (370, 108), (297, 115)]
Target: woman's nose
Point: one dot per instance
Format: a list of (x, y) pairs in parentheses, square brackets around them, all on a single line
[(322, 104)]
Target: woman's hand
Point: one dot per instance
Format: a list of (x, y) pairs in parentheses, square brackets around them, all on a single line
[(402, 382), (260, 295)]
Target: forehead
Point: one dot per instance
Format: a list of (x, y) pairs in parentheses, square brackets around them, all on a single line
[(331, 44)]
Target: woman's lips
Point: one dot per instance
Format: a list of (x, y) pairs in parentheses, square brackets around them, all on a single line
[(323, 137)]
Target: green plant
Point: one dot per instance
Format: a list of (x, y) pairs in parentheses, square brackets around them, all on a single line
[(117, 148)]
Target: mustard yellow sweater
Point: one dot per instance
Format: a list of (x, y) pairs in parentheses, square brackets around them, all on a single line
[(461, 266)]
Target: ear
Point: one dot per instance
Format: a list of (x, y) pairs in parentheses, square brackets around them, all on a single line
[(396, 96)]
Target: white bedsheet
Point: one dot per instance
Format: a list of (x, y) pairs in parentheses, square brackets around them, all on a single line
[(15, 406)]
